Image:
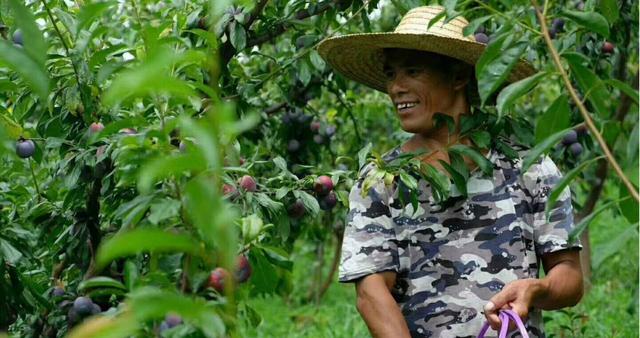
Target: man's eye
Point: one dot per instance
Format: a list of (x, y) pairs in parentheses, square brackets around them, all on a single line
[(413, 71), (389, 74)]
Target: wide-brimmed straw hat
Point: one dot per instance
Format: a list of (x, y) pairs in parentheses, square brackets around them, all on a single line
[(360, 56)]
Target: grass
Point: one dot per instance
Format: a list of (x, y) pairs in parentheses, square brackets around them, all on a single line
[(609, 309)]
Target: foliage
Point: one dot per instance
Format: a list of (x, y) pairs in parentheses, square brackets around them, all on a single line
[(146, 115)]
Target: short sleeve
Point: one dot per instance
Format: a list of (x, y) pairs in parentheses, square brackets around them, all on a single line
[(369, 244), (553, 235)]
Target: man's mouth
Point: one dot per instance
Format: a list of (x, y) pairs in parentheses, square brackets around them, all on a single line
[(404, 107)]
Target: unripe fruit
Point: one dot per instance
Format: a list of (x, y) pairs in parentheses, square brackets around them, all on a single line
[(315, 126), (607, 47), (83, 306), (329, 201), (248, 183), (323, 185), (216, 279), (17, 37), (576, 149), (25, 148), (293, 146), (318, 139), (96, 127), (569, 138), (296, 210), (481, 38), (243, 270)]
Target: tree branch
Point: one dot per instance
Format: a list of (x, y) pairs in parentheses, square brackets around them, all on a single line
[(256, 12)]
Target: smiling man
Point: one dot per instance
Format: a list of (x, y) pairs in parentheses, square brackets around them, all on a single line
[(445, 269)]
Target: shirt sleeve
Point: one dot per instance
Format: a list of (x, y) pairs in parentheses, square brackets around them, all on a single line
[(369, 244), (553, 235)]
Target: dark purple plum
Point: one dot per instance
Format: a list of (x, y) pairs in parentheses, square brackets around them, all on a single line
[(329, 201), (57, 292), (17, 37), (296, 210), (173, 320), (608, 47), (330, 130), (83, 306), (25, 148), (570, 137), (481, 38), (95, 309), (323, 185), (576, 149), (293, 146), (558, 24), (243, 269)]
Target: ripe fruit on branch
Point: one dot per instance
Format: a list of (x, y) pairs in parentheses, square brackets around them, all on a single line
[(217, 278), (296, 210), (481, 38), (25, 148), (329, 201), (83, 306), (228, 189), (607, 47), (243, 269), (582, 130), (323, 185), (569, 138), (557, 24), (576, 149), (315, 126), (248, 183), (57, 292), (17, 37), (293, 146), (318, 139), (96, 127)]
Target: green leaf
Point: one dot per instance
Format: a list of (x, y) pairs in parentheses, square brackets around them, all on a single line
[(89, 12), (592, 87), (362, 155), (534, 153), (615, 245), (277, 256), (591, 21), (34, 43), (316, 60), (556, 118), (632, 145), (628, 205), (623, 87), (563, 183), (515, 90), (481, 138), (409, 181), (310, 202), (579, 228), (164, 209), (496, 63), (440, 183), (165, 166), (131, 274), (150, 77), (144, 240), (609, 8), (485, 165), (471, 28), (150, 303), (100, 282), (238, 36), (33, 74), (458, 179)]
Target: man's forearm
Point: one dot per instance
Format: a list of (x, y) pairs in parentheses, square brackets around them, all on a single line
[(379, 310), (561, 287)]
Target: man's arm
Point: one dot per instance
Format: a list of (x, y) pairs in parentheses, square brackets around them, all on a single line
[(561, 287), (377, 307)]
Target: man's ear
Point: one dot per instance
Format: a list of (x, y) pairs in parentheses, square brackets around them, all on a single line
[(462, 77)]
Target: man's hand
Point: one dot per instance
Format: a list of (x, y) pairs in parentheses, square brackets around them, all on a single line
[(561, 287), (517, 296)]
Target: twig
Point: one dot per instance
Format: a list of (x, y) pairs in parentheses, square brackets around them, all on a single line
[(581, 107), (351, 117), (35, 181), (509, 19), (256, 12)]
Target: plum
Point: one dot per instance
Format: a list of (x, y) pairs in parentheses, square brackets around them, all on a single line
[(315, 126), (17, 37), (481, 38), (570, 137), (293, 146), (296, 210), (83, 306), (25, 148), (576, 149), (217, 278), (243, 270), (323, 185), (96, 127), (329, 201), (318, 139), (608, 47), (248, 183)]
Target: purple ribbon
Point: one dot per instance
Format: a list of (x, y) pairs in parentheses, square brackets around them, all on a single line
[(505, 316)]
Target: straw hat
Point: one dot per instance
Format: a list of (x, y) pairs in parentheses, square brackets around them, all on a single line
[(360, 56)]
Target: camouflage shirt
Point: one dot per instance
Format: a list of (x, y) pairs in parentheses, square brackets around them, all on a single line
[(451, 258)]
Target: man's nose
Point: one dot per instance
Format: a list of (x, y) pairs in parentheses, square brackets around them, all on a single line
[(396, 85)]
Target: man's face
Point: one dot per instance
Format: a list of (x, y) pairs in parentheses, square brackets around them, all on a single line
[(417, 90)]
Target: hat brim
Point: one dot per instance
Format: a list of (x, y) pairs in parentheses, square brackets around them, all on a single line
[(360, 56)]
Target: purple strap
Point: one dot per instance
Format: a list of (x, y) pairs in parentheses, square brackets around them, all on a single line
[(505, 315)]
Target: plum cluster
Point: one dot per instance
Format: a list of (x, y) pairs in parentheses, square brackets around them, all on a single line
[(298, 123), (570, 140), (219, 275), (323, 188), (81, 308)]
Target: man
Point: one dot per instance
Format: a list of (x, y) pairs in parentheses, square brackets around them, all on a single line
[(435, 272)]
